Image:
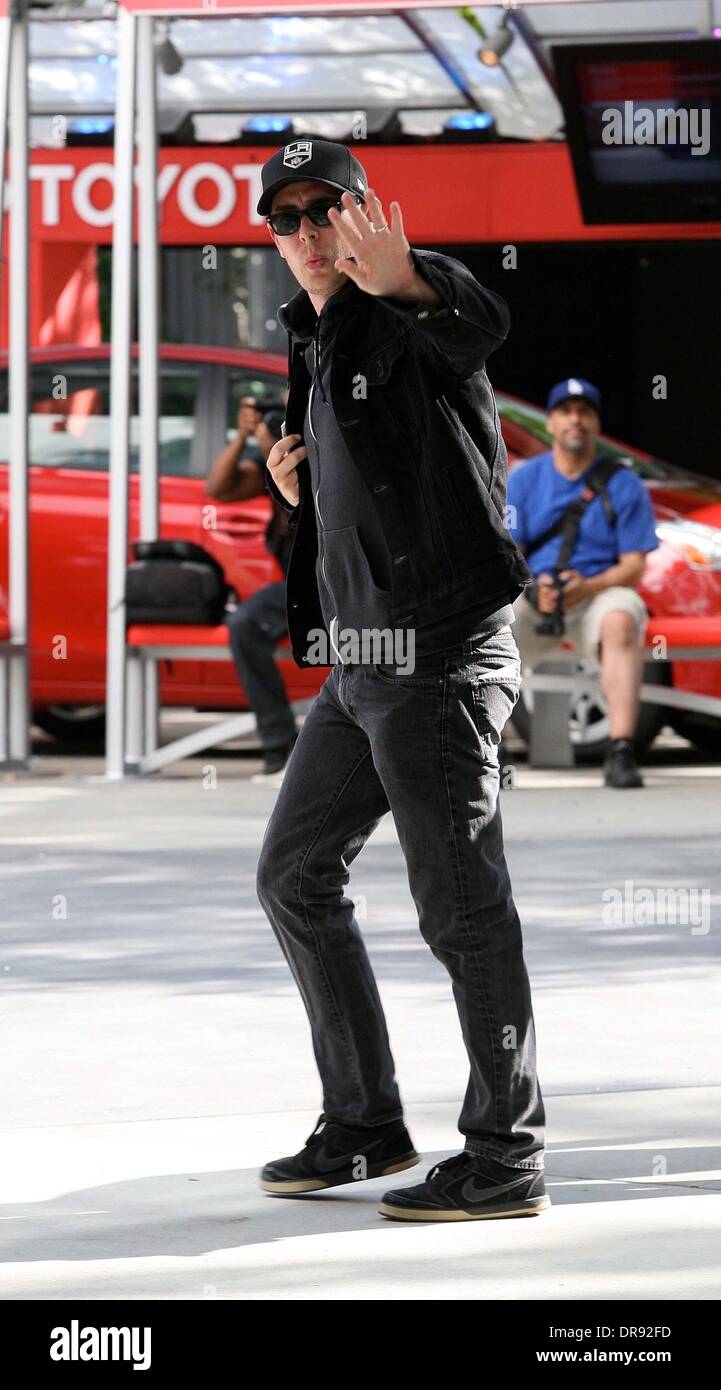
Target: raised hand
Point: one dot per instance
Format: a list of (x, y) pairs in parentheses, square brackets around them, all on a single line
[(382, 262)]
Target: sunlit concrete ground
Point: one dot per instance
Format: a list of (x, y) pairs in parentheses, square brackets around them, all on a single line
[(156, 1051)]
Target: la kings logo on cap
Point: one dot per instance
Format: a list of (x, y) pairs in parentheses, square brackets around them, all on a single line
[(297, 153)]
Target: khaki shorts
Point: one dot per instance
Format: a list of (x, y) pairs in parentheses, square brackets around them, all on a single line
[(583, 625)]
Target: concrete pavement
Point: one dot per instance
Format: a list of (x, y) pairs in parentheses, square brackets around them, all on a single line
[(160, 1052)]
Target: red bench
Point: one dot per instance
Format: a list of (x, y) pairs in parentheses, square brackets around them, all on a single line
[(186, 643), (147, 644), (687, 639)]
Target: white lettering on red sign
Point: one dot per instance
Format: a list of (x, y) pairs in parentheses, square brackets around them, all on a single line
[(86, 180), (80, 194), (225, 195), (50, 177)]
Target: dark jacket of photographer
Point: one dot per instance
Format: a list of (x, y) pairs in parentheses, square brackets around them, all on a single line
[(278, 534), (410, 394)]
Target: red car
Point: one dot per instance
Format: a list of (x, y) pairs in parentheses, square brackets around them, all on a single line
[(200, 392)]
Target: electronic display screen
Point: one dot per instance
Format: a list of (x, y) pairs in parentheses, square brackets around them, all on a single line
[(643, 122)]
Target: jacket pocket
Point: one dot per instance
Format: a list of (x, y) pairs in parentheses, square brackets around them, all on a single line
[(494, 700), (476, 460), (378, 366), (492, 673), (359, 602)]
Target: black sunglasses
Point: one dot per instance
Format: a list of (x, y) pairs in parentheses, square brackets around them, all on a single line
[(286, 222)]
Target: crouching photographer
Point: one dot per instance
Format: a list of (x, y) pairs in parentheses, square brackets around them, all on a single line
[(585, 524), (259, 621)]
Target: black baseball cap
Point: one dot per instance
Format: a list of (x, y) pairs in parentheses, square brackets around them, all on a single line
[(321, 160)]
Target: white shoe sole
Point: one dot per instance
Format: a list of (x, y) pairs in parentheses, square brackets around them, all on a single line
[(433, 1214), (316, 1184)]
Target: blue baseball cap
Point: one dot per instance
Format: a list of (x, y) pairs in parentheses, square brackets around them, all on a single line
[(574, 386)]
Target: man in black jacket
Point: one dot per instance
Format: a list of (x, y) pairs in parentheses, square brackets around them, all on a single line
[(401, 577)]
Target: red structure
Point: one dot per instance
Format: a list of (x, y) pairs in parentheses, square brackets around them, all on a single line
[(504, 193)]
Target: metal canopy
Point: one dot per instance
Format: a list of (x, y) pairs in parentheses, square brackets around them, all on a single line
[(419, 63)]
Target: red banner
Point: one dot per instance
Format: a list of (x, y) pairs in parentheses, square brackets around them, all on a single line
[(447, 193)]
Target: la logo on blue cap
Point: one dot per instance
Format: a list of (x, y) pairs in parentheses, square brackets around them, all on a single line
[(574, 386)]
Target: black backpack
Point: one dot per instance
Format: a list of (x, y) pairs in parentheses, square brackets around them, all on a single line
[(174, 581)]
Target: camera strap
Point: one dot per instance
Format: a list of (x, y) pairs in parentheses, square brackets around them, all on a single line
[(569, 522)]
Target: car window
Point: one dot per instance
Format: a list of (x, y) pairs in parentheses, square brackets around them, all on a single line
[(519, 420), (519, 442), (69, 409), (176, 425), (69, 422)]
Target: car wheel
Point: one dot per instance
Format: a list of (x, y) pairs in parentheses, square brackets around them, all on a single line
[(702, 730), (80, 726), (588, 715)]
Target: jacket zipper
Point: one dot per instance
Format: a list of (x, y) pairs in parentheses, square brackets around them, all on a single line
[(312, 387), (310, 422)]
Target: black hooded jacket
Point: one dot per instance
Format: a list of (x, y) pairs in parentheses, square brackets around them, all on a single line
[(409, 392)]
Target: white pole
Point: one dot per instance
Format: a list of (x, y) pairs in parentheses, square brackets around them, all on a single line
[(148, 279), (121, 330), (148, 313), (19, 692), (5, 30)]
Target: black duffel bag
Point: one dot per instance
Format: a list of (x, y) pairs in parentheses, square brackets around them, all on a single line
[(174, 581)]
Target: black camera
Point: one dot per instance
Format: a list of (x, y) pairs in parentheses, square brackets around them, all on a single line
[(552, 624)]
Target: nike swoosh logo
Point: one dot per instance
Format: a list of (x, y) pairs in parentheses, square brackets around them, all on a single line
[(329, 1165), (473, 1193)]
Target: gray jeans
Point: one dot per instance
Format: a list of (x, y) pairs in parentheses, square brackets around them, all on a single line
[(254, 628), (425, 747)]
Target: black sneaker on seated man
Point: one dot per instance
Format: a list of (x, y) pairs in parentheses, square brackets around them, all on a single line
[(275, 759), (335, 1154), (467, 1187), (620, 768)]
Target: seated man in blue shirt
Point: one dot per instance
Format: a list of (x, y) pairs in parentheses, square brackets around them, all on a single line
[(599, 599)]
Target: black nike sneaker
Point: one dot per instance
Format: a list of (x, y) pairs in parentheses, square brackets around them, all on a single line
[(469, 1188), (335, 1154)]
